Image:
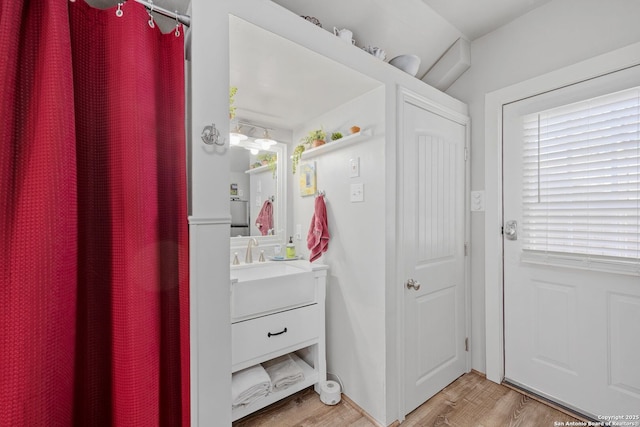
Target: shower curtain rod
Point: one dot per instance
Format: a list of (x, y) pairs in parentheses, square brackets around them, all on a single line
[(183, 19)]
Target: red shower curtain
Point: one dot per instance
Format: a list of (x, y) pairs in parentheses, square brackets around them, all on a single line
[(94, 262)]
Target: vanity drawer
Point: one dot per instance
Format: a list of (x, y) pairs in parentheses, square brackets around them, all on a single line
[(268, 334)]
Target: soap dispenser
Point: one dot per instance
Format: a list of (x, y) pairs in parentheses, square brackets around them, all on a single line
[(291, 248)]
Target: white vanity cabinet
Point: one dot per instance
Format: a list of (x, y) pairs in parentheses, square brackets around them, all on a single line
[(290, 320)]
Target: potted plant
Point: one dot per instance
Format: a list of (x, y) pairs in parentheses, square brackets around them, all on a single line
[(266, 158), (270, 160), (335, 136), (315, 138)]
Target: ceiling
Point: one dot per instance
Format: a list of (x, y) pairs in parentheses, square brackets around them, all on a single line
[(426, 28), (398, 27), (475, 18)]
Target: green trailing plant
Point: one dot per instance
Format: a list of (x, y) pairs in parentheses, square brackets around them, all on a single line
[(335, 136), (296, 156), (232, 108)]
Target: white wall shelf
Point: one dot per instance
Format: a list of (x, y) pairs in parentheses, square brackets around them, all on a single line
[(259, 169), (337, 145)]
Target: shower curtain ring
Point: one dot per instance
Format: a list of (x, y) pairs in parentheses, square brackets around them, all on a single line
[(119, 12), (151, 23), (177, 31)]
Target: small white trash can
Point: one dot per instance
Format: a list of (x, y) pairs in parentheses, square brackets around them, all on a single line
[(330, 392)]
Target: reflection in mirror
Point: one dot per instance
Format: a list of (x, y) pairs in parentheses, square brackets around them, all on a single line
[(283, 86), (257, 192)]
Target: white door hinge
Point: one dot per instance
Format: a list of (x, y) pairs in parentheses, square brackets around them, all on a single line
[(466, 154), (466, 344)]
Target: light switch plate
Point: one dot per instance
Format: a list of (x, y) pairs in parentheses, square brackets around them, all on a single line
[(357, 192), (354, 167)]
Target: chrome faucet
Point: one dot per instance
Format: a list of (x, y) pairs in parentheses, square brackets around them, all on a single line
[(248, 258)]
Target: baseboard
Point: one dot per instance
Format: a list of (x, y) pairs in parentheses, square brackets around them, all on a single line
[(479, 373), (365, 413)]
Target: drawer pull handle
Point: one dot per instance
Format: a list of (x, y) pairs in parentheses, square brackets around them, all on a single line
[(277, 333)]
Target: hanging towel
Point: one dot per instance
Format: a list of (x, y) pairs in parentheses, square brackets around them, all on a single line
[(283, 372), (264, 221), (318, 236), (249, 385)]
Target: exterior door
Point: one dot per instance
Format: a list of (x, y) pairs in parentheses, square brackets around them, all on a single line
[(571, 267), (433, 236)]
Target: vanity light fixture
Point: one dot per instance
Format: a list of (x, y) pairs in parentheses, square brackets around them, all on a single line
[(239, 137), (236, 135), (266, 140)]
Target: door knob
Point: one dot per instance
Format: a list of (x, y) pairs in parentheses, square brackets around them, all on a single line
[(511, 230), (413, 284)]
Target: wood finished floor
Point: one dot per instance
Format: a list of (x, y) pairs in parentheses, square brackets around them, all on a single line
[(470, 401)]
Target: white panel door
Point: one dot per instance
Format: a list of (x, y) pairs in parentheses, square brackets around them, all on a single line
[(433, 238), (571, 321)]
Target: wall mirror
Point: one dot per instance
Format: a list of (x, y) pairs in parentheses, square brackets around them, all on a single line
[(258, 175), (285, 87)]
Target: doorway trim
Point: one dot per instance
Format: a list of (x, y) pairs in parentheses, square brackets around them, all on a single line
[(494, 101)]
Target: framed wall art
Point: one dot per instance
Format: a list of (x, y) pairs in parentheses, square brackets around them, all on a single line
[(308, 179)]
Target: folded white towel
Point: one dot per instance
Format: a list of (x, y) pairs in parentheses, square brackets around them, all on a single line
[(249, 385), (283, 371)]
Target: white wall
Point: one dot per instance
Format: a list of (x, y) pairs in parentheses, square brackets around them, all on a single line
[(558, 34), (356, 255)]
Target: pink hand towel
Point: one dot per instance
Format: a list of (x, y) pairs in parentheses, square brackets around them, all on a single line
[(318, 237), (264, 221)]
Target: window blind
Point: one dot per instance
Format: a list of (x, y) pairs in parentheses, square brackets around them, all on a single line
[(581, 178)]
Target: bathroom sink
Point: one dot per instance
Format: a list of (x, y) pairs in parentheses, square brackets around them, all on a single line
[(259, 289), (265, 270)]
